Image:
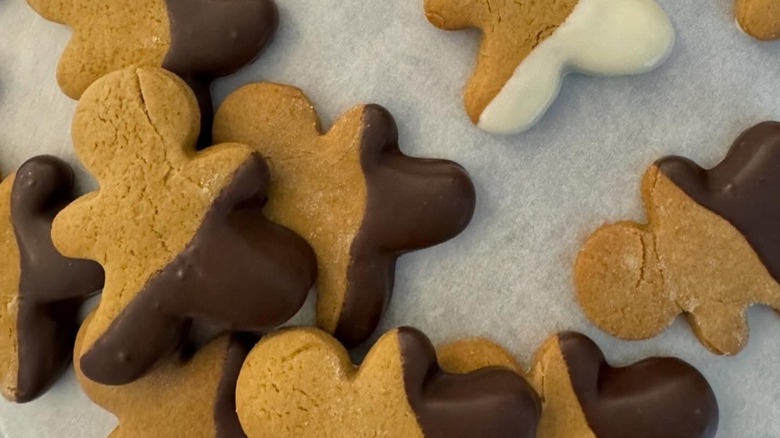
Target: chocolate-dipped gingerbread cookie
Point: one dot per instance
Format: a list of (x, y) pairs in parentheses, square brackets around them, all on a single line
[(528, 47), (40, 290), (351, 193), (710, 250), (660, 397), (301, 383), (200, 40), (583, 397), (180, 233), (191, 395)]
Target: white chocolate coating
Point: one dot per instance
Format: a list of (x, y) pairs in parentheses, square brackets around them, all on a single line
[(600, 37)]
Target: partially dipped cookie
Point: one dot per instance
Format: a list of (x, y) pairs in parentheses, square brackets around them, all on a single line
[(759, 18), (199, 40), (528, 46), (180, 233), (301, 383), (584, 397), (40, 290), (351, 193), (191, 395), (659, 397), (711, 248)]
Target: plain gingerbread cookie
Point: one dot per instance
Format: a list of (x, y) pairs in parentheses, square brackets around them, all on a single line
[(351, 193), (180, 233), (301, 383), (199, 40), (759, 18), (710, 251), (40, 290), (192, 395), (528, 46)]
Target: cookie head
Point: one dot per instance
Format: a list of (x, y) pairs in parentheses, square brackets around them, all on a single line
[(198, 40), (585, 396), (351, 193), (40, 290), (527, 47), (301, 383), (709, 251), (759, 18), (193, 245), (189, 395)]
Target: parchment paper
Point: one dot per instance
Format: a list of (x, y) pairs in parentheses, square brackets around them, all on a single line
[(540, 193)]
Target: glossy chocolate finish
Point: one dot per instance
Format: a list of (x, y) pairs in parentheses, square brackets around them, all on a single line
[(487, 403), (51, 286), (654, 398), (214, 38), (413, 203), (239, 272), (743, 189)]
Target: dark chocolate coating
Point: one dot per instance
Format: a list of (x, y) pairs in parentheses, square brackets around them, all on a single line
[(743, 189), (214, 38), (488, 403), (413, 203), (239, 272), (654, 398), (51, 287), (225, 416)]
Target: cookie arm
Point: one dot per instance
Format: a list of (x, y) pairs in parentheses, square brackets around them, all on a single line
[(74, 227), (456, 14)]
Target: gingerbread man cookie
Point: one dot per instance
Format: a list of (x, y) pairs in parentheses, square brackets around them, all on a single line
[(711, 248), (40, 290), (583, 397), (180, 234), (200, 40), (351, 193), (660, 397), (528, 46), (301, 383), (759, 18), (189, 396)]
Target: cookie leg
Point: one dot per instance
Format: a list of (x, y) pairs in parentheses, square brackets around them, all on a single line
[(721, 327)]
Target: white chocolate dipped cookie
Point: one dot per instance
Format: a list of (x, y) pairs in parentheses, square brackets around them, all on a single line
[(528, 47)]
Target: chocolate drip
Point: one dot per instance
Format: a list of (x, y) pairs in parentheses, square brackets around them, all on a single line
[(413, 203), (488, 403), (214, 38), (51, 287), (654, 398), (240, 272), (743, 189), (225, 416)]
